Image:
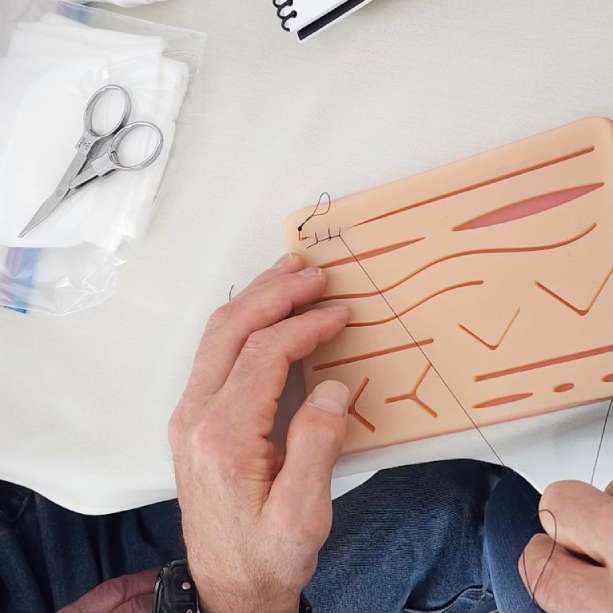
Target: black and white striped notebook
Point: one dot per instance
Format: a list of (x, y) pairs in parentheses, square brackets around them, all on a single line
[(307, 17)]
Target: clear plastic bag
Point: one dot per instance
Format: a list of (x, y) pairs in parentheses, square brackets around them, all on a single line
[(55, 55), (127, 3)]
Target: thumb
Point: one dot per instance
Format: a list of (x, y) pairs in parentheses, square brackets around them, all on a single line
[(112, 594), (314, 442)]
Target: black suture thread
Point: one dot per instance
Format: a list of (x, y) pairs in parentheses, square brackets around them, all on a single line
[(325, 238), (604, 430), (316, 212), (230, 293), (472, 421), (531, 591), (315, 243)]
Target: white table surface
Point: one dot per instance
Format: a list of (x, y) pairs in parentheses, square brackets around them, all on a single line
[(402, 86)]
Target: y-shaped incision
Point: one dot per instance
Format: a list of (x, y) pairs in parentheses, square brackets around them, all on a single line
[(353, 410), (412, 395)]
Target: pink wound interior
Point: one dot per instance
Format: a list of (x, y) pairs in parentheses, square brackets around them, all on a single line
[(531, 206)]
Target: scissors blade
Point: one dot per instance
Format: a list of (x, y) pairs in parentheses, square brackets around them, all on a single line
[(84, 177), (60, 193)]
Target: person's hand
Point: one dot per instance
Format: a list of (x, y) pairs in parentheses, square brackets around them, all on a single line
[(254, 516), (127, 594), (578, 575)]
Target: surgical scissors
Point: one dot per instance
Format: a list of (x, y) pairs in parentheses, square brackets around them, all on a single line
[(97, 154)]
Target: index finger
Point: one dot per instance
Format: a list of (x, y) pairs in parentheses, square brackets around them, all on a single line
[(268, 300), (261, 369), (583, 518)]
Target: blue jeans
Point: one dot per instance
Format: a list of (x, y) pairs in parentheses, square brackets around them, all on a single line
[(441, 537)]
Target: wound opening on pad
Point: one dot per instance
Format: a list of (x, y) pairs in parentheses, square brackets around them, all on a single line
[(528, 207)]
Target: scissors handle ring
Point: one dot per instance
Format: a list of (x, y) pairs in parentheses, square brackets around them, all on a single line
[(152, 157), (91, 108)]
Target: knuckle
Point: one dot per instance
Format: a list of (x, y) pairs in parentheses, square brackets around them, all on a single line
[(221, 316), (175, 429), (307, 531), (262, 341), (319, 433), (174, 432), (202, 439), (209, 444), (313, 533)]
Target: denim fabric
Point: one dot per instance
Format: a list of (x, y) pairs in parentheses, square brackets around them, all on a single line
[(409, 539), (49, 556), (419, 538), (511, 519)]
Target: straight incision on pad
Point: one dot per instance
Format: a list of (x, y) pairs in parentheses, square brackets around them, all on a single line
[(480, 292)]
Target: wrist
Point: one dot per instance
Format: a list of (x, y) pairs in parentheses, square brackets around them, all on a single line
[(216, 599), (231, 604)]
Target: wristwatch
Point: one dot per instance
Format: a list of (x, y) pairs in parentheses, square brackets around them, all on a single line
[(175, 591)]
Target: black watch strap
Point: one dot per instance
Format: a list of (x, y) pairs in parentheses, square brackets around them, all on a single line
[(305, 605), (175, 591)]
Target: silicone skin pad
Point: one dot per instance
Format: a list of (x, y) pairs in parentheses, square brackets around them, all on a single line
[(497, 268)]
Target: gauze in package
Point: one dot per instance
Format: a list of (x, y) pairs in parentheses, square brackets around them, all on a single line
[(52, 67)]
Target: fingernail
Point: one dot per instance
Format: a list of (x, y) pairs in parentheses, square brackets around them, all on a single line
[(284, 261), (309, 273), (330, 396)]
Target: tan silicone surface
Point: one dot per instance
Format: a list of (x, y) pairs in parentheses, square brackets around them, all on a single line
[(499, 266)]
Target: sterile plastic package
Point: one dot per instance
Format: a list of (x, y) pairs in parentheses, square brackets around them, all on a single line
[(128, 3), (54, 56)]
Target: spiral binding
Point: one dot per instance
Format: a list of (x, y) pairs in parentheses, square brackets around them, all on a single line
[(283, 14)]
